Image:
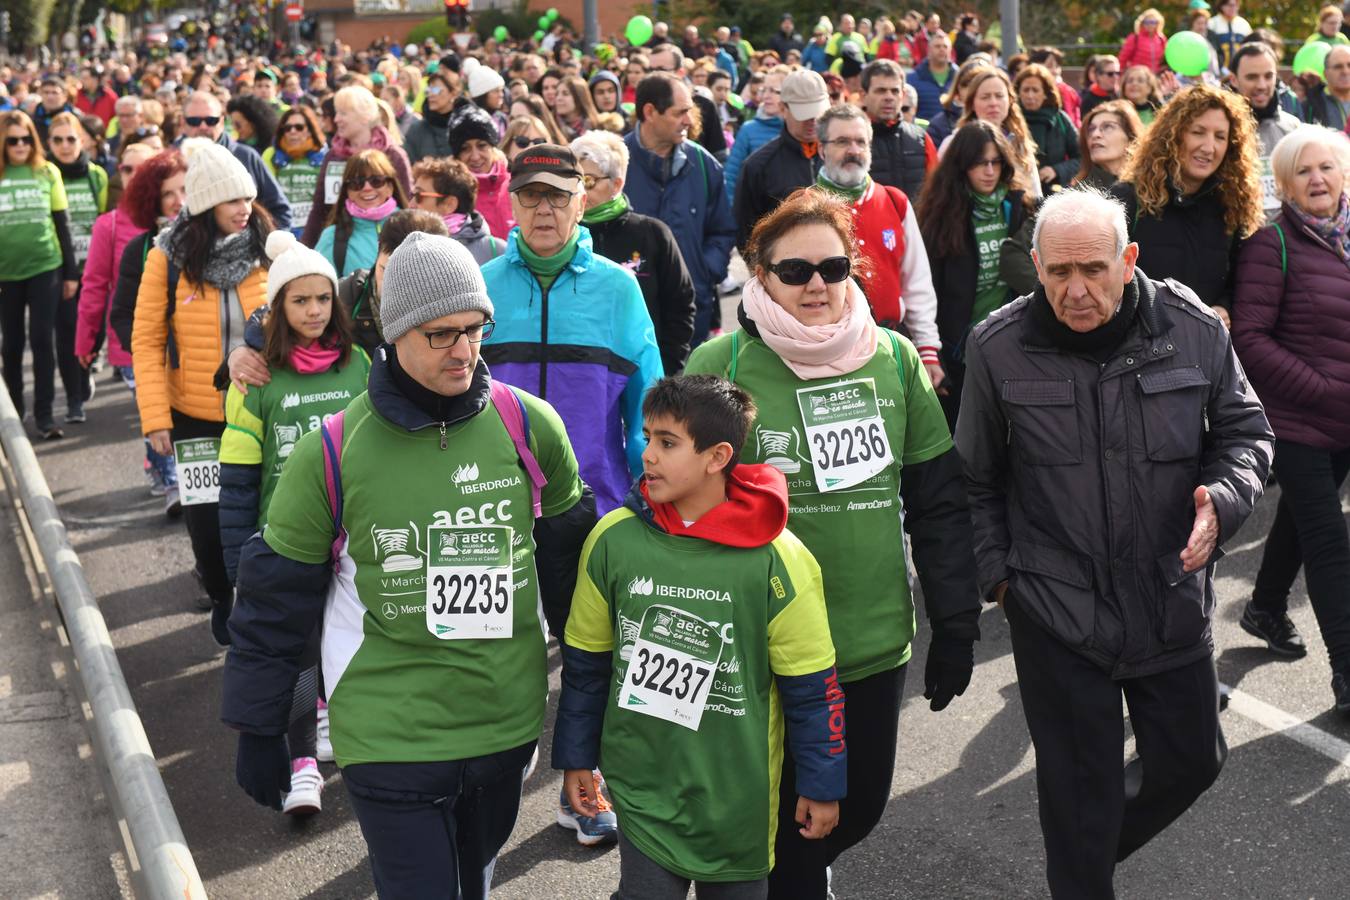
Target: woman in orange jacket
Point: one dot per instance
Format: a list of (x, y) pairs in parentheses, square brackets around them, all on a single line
[(203, 278)]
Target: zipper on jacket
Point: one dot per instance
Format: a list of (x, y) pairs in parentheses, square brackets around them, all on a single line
[(543, 339), (443, 444)]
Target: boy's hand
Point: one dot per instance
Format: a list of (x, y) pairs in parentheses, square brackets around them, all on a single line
[(580, 787), (819, 816)]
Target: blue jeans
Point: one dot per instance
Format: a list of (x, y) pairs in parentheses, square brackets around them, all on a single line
[(164, 466)]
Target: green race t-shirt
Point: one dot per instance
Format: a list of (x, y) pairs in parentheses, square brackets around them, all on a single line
[(27, 201), (854, 532), (991, 229), (693, 733), (454, 526), (298, 179), (263, 427), (87, 199)]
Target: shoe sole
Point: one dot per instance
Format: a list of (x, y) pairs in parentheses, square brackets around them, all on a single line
[(1270, 645), (303, 808), (325, 755), (584, 839)]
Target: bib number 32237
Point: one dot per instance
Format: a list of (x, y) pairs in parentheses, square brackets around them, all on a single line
[(198, 470), (672, 668), (469, 586), (846, 432)]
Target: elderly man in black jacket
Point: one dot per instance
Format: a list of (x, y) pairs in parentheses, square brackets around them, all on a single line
[(1111, 444)]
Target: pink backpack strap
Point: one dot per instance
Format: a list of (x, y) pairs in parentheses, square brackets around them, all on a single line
[(332, 479), (514, 417)]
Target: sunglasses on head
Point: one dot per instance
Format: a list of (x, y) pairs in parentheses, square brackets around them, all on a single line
[(524, 143), (375, 181), (26, 140), (798, 271)]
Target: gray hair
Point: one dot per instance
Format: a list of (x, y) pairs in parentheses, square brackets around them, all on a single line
[(840, 113), (911, 94), (1284, 158), (605, 149), (130, 102), (1080, 206)]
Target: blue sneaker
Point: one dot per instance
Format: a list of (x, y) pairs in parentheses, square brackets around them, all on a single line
[(592, 831)]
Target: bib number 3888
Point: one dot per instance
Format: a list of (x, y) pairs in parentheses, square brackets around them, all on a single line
[(198, 470), (846, 432), (672, 667), (469, 587)]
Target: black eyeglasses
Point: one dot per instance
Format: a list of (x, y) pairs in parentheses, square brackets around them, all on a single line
[(832, 270), (524, 143), (446, 338), (375, 181), (530, 198), (199, 121), (26, 140)]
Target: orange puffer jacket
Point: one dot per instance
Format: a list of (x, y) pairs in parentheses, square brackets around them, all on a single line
[(196, 332)]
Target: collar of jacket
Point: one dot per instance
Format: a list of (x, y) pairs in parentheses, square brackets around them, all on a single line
[(1151, 315), (392, 402), (653, 165), (581, 260), (1183, 200)]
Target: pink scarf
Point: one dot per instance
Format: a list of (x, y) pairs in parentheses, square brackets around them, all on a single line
[(313, 359), (814, 351), (375, 213), (454, 222), (341, 148)]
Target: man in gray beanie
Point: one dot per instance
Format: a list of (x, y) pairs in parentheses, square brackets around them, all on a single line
[(453, 510)]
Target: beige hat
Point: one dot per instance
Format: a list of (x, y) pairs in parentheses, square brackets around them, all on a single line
[(214, 176), (805, 95)]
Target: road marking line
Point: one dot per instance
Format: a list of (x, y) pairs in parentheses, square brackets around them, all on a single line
[(1292, 727)]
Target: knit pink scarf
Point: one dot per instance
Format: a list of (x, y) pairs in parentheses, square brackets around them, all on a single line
[(814, 351), (341, 148), (374, 213), (313, 359)]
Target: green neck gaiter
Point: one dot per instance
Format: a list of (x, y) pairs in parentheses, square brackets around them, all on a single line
[(546, 268), (606, 212), (851, 194)]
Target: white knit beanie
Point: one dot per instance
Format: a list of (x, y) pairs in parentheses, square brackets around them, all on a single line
[(427, 277), (291, 260), (484, 79), (214, 176)]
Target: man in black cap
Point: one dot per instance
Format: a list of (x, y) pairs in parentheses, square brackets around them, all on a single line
[(786, 39)]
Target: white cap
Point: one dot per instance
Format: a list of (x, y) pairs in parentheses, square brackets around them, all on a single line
[(484, 79), (214, 176), (291, 260)]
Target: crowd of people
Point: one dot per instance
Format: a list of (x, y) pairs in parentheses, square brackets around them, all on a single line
[(992, 322)]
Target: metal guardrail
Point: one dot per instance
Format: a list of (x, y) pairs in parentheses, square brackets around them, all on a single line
[(162, 865)]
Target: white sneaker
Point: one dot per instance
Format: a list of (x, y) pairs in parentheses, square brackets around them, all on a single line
[(306, 785), (323, 747)]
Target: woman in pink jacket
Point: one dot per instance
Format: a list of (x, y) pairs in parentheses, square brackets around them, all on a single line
[(1145, 47)]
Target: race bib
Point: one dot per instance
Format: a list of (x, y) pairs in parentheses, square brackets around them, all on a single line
[(469, 586), (198, 470), (332, 182), (300, 212), (672, 667), (1270, 201), (80, 243), (846, 433)]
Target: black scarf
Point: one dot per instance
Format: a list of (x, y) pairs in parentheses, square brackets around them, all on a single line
[(438, 407), (77, 169), (1100, 342)]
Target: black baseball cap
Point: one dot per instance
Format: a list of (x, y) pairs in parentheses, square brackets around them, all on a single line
[(548, 164)]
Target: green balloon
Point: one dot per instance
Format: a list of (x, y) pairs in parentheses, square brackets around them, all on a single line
[(544, 22), (552, 13), (735, 101), (538, 35), (639, 30), (500, 33), (1312, 58), (1187, 53)]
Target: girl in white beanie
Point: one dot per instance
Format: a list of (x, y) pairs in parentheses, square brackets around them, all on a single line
[(315, 371), (203, 278)]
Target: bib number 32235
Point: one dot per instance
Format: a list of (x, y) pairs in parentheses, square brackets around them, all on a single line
[(469, 587), (672, 667), (198, 470), (846, 432)]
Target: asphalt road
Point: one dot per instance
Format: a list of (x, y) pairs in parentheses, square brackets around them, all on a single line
[(962, 819)]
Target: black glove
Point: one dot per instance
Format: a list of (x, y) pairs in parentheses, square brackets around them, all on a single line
[(951, 661), (263, 767)]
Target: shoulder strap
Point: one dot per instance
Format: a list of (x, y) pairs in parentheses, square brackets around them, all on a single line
[(703, 168), (171, 305), (340, 239), (1284, 250), (735, 355), (895, 351), (332, 479), (517, 422)]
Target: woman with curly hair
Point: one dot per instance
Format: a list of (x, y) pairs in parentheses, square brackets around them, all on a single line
[(254, 121), (1192, 191), (989, 98)]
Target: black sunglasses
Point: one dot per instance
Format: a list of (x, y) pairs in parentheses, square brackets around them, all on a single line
[(295, 126), (798, 271), (375, 181), (524, 143), (199, 121), (16, 141)]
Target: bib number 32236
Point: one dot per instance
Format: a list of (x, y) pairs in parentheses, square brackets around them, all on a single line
[(469, 586), (846, 432), (198, 470), (672, 668)]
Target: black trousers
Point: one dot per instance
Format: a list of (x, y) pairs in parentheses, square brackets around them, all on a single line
[(1093, 815), (36, 298), (1309, 528), (203, 519), (74, 377), (872, 723)]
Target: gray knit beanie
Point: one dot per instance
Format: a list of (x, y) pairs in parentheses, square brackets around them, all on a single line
[(427, 277)]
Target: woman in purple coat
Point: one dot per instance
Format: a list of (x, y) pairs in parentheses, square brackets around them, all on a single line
[(1291, 329)]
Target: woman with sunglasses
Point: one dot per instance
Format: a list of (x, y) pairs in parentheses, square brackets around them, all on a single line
[(430, 135), (370, 195), (37, 265), (473, 141), (972, 203), (843, 407), (1146, 44), (87, 198), (295, 159)]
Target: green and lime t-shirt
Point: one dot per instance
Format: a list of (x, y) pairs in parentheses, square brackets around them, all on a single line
[(87, 199), (299, 179), (693, 734), (263, 426), (27, 201), (823, 435), (433, 636)]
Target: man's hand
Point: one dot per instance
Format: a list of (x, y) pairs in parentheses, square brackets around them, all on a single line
[(160, 442), (68, 289), (1204, 534), (247, 367), (936, 376), (580, 787), (819, 817), (1222, 313), (1000, 592)]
